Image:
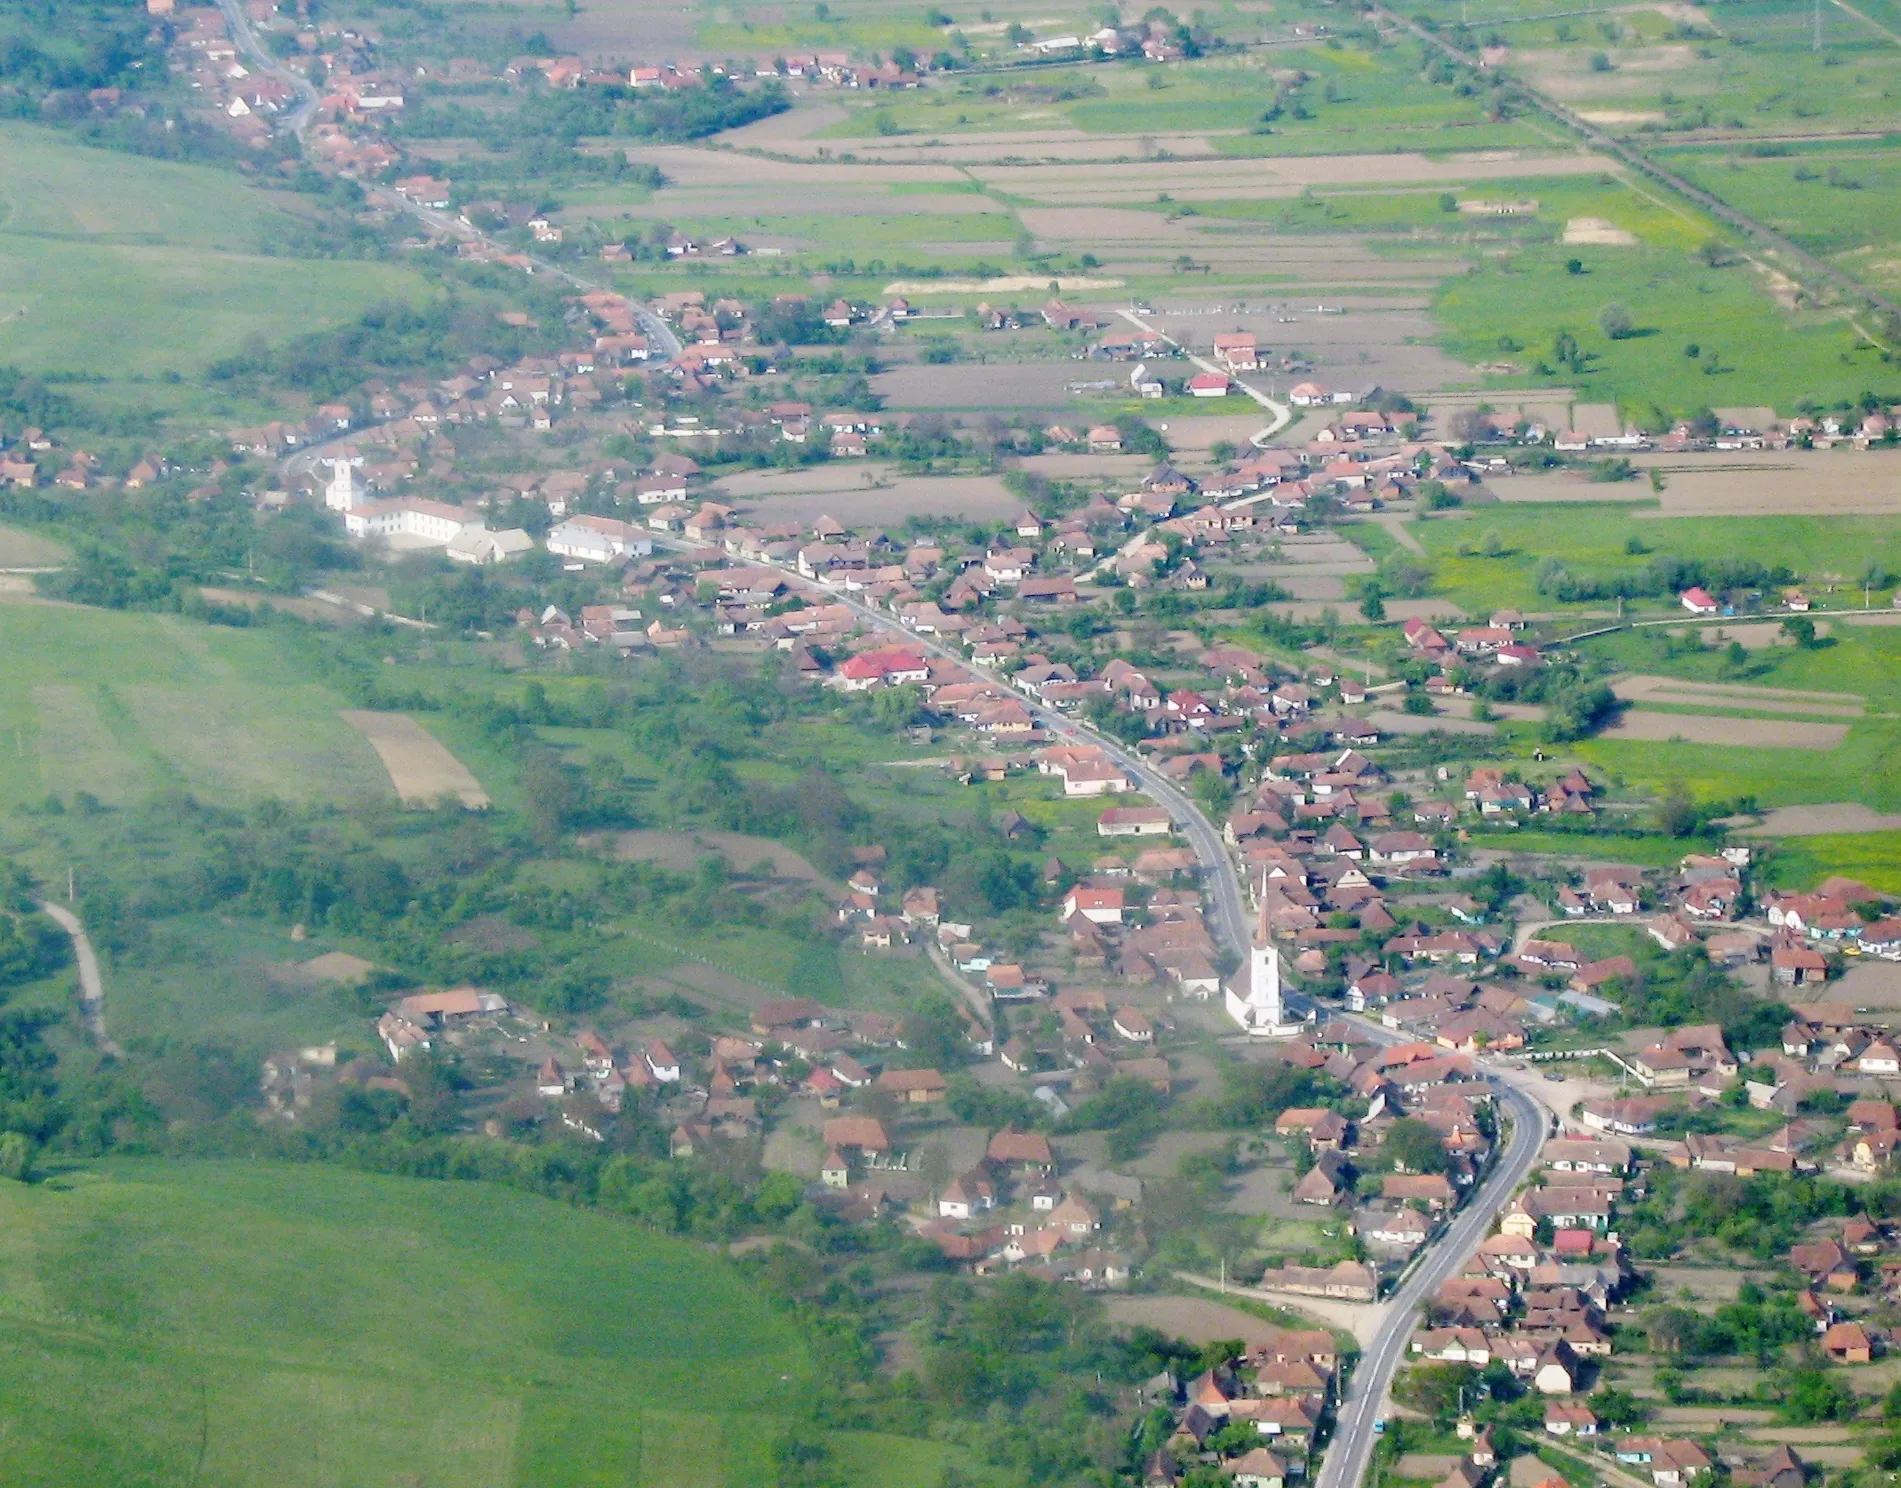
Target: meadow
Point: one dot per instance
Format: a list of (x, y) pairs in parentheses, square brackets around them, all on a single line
[(1509, 310), (187, 250), (1354, 100), (1592, 539), (122, 705), (225, 1323), (1843, 204)]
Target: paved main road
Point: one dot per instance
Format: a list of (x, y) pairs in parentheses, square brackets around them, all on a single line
[(1227, 917), (1364, 1400), (305, 109)]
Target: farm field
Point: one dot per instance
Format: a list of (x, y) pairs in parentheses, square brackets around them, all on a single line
[(186, 249), (868, 493), (122, 705), (321, 1327), (420, 768)]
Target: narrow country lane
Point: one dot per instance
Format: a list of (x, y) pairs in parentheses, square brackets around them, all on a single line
[(92, 987)]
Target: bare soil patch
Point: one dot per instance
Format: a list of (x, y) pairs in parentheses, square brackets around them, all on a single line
[(334, 966), (1001, 284), (1756, 733), (1787, 484), (1761, 635), (869, 495), (1139, 181), (1596, 232), (420, 767), (1869, 983), (314, 610), (493, 934), (1822, 821)]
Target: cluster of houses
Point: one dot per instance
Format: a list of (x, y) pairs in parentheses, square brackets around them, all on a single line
[(1283, 1386), (1534, 1296)]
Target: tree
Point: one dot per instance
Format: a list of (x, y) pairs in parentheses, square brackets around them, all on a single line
[(1801, 630), (1615, 321), (1813, 1395), (1373, 601), (1673, 1330), (934, 1168), (1415, 1146), (16, 1156)]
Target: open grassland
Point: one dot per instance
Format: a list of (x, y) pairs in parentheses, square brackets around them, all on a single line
[(125, 267), (1596, 539), (233, 1324), (1842, 203), (1509, 312), (122, 705)]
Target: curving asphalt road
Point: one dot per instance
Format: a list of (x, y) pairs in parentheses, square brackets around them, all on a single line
[(1228, 917), (1364, 1400), (239, 24)]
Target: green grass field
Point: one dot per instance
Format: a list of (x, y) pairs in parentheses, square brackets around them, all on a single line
[(1841, 204), (1356, 101), (183, 248), (122, 705), (233, 1324), (1592, 539), (1510, 310)]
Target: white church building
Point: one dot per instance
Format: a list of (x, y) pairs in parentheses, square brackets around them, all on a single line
[(416, 521), (1257, 1004)]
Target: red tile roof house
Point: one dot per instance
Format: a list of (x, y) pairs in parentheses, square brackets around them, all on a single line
[(1098, 906), (1698, 601)]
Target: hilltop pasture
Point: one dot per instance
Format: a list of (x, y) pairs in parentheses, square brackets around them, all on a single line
[(230, 1324)]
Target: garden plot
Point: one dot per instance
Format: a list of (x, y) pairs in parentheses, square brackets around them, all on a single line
[(1794, 483), (1825, 820), (869, 495), (1198, 1319), (1739, 696), (683, 851)]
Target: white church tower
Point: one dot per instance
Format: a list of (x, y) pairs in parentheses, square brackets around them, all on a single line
[(1258, 1007), (345, 491)]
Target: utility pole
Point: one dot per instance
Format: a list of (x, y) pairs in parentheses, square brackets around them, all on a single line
[(69, 884), (1818, 26)]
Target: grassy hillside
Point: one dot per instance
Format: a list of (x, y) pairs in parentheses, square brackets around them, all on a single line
[(184, 249), (238, 1324), (123, 704)]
